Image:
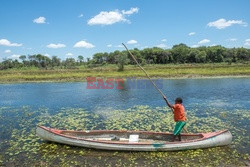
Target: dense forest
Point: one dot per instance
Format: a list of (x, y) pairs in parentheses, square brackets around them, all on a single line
[(178, 54)]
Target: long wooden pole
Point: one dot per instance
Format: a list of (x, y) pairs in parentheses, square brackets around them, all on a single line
[(156, 87)]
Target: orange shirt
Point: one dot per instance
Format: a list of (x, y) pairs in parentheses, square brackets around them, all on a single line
[(179, 112)]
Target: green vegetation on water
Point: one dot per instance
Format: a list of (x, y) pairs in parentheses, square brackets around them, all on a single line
[(20, 145), (30, 74)]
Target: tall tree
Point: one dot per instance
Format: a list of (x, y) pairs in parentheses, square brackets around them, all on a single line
[(55, 61), (200, 57), (80, 59), (121, 59), (22, 57), (70, 63), (180, 53)]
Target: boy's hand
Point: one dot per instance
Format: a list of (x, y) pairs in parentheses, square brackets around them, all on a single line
[(169, 105)]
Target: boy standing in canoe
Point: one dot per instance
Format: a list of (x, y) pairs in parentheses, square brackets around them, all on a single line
[(179, 116)]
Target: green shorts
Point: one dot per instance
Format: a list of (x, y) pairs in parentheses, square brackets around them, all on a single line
[(178, 127)]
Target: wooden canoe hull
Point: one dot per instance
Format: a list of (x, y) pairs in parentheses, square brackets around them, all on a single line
[(202, 140)]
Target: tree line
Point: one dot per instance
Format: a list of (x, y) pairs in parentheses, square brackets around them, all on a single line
[(180, 54)]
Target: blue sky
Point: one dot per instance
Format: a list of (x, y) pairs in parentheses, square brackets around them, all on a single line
[(68, 28)]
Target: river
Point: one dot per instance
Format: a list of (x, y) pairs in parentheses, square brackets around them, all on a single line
[(211, 104)]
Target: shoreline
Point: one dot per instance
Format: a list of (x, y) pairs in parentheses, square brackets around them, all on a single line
[(167, 77), (198, 71)]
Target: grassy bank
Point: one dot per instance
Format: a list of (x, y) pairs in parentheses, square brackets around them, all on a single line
[(159, 71)]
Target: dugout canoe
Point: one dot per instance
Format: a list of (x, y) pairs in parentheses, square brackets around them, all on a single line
[(134, 140)]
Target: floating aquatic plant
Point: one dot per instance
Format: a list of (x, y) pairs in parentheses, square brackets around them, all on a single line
[(20, 145)]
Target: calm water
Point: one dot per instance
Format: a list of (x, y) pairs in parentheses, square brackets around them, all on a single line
[(227, 93), (211, 104)]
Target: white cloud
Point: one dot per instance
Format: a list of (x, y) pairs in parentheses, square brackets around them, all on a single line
[(222, 23), (195, 46), (56, 46), (247, 42), (191, 33), (83, 44), (109, 45), (46, 54), (111, 17), (132, 42), (204, 41), (40, 20), (69, 54), (119, 46), (14, 56), (7, 51), (107, 18), (81, 15), (164, 40), (5, 42), (143, 47), (131, 11), (232, 39), (162, 45)]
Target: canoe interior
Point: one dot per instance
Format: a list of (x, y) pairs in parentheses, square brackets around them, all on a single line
[(123, 136)]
